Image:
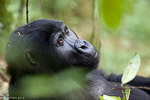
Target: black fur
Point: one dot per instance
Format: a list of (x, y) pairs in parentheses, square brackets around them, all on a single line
[(49, 47)]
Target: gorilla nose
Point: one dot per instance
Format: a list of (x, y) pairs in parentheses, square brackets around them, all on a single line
[(84, 47), (80, 44)]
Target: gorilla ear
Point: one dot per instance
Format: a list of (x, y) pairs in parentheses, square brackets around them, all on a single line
[(30, 57)]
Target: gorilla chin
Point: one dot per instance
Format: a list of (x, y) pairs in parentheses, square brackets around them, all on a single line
[(48, 47)]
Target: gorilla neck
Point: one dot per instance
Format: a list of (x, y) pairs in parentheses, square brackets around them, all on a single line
[(20, 74)]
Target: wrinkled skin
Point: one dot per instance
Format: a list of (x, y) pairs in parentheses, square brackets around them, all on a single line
[(49, 47)]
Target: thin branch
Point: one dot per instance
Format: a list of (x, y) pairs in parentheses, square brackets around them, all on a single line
[(93, 21), (133, 87), (27, 12), (100, 46)]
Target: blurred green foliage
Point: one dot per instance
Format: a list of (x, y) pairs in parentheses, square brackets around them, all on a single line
[(132, 36), (53, 85), (129, 17), (111, 12), (5, 21)]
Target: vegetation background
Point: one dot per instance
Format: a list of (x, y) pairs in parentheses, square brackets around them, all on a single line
[(121, 30)]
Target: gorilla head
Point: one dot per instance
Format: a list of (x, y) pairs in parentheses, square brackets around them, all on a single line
[(47, 46)]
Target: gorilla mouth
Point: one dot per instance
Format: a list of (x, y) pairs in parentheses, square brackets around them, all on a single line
[(92, 58)]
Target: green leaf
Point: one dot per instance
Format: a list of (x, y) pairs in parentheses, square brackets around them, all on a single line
[(101, 97), (106, 97), (132, 69), (127, 92), (111, 12)]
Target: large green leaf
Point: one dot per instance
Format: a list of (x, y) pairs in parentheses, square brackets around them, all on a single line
[(111, 12), (132, 69)]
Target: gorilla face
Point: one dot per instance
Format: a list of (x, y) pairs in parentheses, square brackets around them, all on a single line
[(48, 46), (73, 50)]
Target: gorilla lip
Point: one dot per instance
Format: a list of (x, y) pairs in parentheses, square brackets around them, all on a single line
[(92, 58)]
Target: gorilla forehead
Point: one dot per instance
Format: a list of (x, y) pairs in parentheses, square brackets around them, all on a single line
[(45, 26)]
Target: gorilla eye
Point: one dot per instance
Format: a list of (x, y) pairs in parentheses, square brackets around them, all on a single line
[(66, 31), (60, 41)]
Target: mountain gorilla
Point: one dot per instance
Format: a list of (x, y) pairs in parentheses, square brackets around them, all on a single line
[(49, 47)]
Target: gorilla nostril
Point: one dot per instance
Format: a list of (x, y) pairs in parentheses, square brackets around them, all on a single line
[(83, 47)]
